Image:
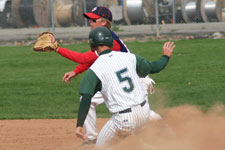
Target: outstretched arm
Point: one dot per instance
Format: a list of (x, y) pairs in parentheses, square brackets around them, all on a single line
[(81, 58), (167, 51), (85, 60), (145, 67)]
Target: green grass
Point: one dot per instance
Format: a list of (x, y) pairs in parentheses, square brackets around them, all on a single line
[(195, 74), (31, 87)]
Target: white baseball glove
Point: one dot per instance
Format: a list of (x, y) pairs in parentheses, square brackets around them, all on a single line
[(148, 83)]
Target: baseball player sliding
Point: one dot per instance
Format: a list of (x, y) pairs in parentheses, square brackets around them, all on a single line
[(117, 76), (99, 16)]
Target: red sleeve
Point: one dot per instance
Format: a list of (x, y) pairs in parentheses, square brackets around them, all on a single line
[(116, 46), (81, 58), (81, 68), (85, 60)]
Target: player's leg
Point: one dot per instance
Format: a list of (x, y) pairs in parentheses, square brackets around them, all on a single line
[(90, 125), (107, 133), (90, 121), (141, 115), (154, 116), (121, 125)]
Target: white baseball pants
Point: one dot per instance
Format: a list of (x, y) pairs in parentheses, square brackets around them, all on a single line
[(90, 121), (123, 124)]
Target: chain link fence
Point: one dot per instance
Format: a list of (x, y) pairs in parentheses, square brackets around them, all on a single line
[(64, 13)]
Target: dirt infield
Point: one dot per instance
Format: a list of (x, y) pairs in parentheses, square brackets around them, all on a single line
[(53, 134), (183, 128)]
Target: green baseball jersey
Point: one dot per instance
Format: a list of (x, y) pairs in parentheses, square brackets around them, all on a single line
[(92, 83), (121, 86), (115, 74)]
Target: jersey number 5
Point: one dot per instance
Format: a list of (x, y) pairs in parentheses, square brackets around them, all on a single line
[(123, 79)]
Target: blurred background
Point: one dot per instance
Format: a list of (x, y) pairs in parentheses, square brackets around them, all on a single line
[(21, 21), (64, 13)]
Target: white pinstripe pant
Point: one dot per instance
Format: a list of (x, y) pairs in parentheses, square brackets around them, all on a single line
[(123, 124), (90, 122)]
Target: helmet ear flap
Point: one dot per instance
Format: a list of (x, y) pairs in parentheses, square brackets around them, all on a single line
[(91, 44), (91, 41)]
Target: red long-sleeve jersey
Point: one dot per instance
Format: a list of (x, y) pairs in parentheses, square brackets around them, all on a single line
[(86, 59)]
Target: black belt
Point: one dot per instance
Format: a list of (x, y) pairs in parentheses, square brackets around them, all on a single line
[(129, 109)]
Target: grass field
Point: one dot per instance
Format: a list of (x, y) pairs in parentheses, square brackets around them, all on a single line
[(31, 87)]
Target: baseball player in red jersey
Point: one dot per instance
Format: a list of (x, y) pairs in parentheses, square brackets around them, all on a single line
[(99, 16)]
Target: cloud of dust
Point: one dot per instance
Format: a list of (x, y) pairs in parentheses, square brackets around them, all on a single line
[(182, 128)]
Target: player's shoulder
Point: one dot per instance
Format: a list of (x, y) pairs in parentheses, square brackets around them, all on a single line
[(114, 35), (123, 54)]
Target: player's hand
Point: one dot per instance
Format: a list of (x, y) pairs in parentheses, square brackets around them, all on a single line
[(67, 77), (80, 132), (168, 48)]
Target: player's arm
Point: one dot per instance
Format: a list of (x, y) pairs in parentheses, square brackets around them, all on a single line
[(83, 67), (81, 58), (83, 109), (145, 67), (79, 69), (89, 86)]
